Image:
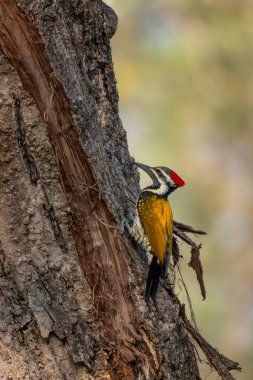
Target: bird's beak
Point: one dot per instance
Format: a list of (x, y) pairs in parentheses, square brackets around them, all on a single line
[(149, 171), (146, 168)]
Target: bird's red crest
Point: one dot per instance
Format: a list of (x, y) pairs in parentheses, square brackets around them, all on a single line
[(175, 177)]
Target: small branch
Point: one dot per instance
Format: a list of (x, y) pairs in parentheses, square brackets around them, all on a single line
[(183, 236), (193, 318), (218, 361), (185, 228)]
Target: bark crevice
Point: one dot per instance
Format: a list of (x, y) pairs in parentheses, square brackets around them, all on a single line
[(27, 156)]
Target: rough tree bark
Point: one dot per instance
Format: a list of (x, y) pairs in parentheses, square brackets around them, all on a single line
[(71, 286)]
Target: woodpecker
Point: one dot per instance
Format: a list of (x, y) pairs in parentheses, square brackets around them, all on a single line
[(153, 223)]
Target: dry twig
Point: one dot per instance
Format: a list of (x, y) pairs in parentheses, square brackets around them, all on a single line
[(219, 362)]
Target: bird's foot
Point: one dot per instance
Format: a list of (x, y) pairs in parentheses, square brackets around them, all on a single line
[(126, 225)]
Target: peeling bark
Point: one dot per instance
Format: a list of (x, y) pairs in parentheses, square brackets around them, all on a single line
[(71, 286)]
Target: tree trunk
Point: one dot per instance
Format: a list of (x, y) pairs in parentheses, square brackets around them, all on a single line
[(72, 286)]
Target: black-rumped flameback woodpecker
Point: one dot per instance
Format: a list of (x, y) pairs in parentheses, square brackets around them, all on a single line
[(153, 224)]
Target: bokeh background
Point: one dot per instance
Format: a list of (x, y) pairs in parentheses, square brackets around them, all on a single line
[(185, 80)]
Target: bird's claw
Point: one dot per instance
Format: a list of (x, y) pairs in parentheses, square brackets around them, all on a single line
[(126, 224)]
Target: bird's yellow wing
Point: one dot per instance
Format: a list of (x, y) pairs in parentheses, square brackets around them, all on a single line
[(157, 220)]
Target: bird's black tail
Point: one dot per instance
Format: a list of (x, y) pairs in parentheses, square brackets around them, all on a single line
[(154, 273), (164, 268)]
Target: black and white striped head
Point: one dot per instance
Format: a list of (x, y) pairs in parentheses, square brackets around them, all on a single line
[(164, 179)]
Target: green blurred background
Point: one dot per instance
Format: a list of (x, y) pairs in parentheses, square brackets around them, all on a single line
[(184, 72)]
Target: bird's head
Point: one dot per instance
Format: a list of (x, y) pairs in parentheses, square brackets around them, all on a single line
[(164, 179)]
